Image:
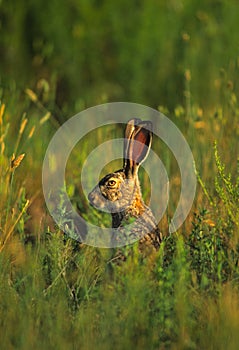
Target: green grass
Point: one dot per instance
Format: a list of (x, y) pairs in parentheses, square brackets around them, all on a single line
[(58, 294), (55, 293)]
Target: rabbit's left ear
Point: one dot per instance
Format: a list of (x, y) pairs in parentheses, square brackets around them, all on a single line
[(138, 140), (129, 130)]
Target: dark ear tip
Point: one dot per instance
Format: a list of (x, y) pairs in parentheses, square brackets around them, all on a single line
[(134, 121), (149, 125), (138, 122)]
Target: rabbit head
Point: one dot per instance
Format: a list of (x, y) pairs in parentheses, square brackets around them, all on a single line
[(119, 192)]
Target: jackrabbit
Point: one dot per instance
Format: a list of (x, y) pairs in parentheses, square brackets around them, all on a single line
[(120, 193)]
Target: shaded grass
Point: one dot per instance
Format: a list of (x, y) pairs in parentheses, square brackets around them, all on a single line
[(137, 305)]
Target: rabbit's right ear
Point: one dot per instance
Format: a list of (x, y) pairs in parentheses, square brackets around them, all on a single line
[(138, 138)]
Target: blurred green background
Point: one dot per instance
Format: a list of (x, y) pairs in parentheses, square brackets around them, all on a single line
[(93, 51), (60, 57)]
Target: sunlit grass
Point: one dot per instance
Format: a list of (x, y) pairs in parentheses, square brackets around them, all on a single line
[(57, 293)]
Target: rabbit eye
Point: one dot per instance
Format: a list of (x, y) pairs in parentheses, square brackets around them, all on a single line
[(111, 183)]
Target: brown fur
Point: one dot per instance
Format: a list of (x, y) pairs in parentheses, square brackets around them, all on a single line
[(120, 192)]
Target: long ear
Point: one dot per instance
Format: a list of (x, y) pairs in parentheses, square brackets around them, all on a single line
[(138, 146), (130, 128)]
